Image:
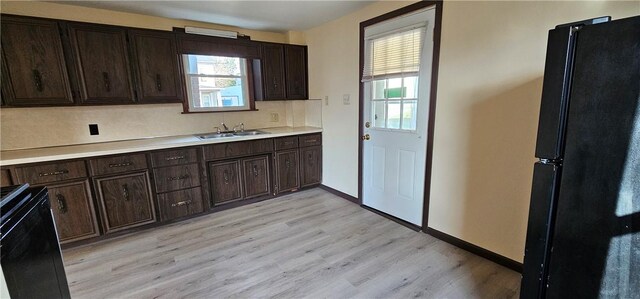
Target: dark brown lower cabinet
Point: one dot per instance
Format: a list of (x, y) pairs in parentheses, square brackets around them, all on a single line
[(287, 175), (225, 181), (5, 178), (310, 165), (256, 176), (125, 201), (180, 203), (73, 211)]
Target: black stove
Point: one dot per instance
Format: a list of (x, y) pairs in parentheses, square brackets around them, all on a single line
[(31, 258)]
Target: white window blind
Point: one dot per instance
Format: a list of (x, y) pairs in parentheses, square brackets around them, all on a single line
[(394, 53)]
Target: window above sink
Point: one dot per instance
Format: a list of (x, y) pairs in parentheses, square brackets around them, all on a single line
[(216, 83)]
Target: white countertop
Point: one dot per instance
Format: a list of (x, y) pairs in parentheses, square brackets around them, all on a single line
[(44, 154)]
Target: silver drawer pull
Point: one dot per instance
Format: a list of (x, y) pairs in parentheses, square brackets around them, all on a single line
[(174, 158), (180, 177), (62, 207), (311, 140), (57, 172), (288, 142), (181, 203), (120, 164)]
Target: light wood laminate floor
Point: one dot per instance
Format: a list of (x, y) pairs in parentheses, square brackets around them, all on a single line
[(308, 244)]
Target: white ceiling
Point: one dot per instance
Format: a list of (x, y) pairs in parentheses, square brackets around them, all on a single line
[(278, 16)]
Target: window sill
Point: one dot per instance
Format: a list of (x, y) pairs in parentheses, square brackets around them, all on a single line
[(224, 111)]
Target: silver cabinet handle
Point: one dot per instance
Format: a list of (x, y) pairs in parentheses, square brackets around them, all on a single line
[(62, 207), (37, 80), (120, 164), (225, 175), (125, 192), (180, 177), (158, 82), (181, 203), (57, 172), (174, 158)]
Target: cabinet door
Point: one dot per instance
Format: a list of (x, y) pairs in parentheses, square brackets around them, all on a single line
[(296, 71), (287, 174), (125, 201), (310, 165), (73, 211), (156, 66), (34, 69), (256, 176), (103, 64), (225, 181), (273, 72)]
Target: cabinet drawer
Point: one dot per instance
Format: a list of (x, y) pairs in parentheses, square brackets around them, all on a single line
[(283, 143), (54, 172), (73, 210), (238, 149), (174, 157), (310, 140), (118, 164), (176, 177), (125, 201), (180, 203)]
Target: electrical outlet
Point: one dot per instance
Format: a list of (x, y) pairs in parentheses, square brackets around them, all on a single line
[(346, 99), (326, 100), (275, 117), (93, 129)]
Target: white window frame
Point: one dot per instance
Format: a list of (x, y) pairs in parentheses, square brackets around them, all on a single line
[(245, 86)]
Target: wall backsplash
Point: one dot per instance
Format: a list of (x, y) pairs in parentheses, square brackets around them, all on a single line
[(42, 127)]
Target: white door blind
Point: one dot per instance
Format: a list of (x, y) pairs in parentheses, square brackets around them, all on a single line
[(393, 54)]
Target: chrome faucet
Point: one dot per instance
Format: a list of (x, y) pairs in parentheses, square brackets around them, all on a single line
[(224, 126), (217, 130), (241, 125)]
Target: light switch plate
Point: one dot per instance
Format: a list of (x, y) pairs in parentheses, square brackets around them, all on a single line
[(326, 100), (346, 99)]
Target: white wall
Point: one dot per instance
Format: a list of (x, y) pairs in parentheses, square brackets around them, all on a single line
[(333, 73), (489, 88)]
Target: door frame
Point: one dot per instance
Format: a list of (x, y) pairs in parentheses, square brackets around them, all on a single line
[(432, 96)]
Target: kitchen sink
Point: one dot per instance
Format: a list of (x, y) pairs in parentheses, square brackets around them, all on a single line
[(215, 135), (250, 133), (230, 134)]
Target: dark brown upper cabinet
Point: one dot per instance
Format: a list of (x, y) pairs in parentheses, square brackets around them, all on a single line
[(281, 73), (273, 76), (155, 62), (103, 64), (34, 71), (296, 72)]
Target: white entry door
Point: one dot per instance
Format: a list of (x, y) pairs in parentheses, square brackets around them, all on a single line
[(396, 107)]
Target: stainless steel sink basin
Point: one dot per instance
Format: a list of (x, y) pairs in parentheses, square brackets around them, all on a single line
[(215, 135), (231, 134), (250, 133)]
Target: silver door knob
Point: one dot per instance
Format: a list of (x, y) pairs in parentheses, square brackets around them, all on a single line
[(366, 137)]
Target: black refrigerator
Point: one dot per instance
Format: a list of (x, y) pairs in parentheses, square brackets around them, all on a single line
[(583, 235)]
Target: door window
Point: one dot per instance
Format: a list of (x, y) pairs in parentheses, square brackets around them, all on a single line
[(391, 69)]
